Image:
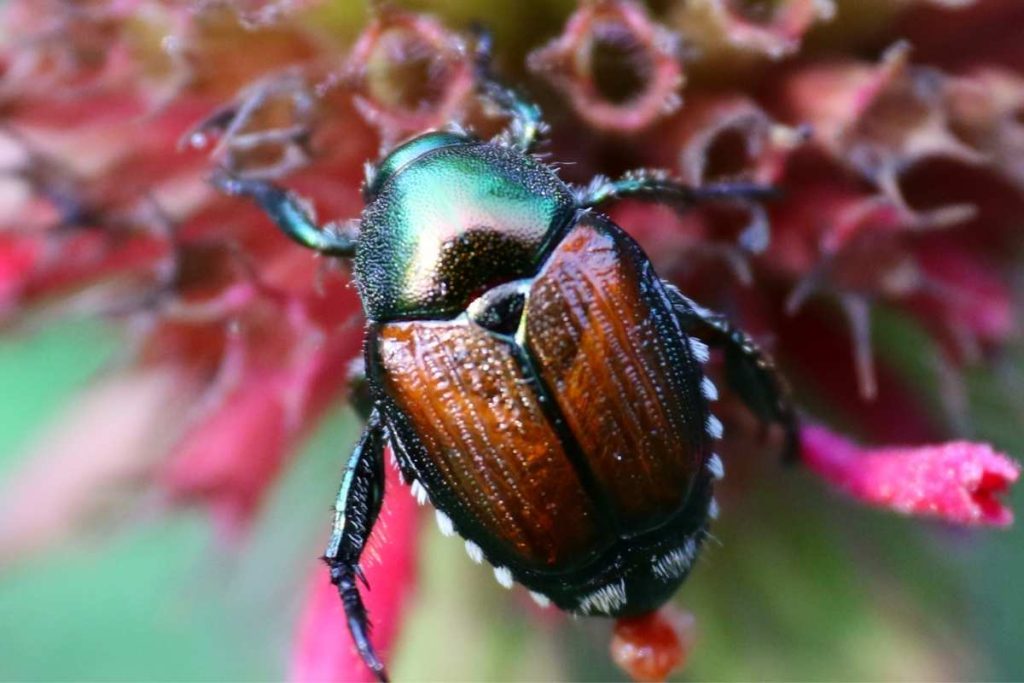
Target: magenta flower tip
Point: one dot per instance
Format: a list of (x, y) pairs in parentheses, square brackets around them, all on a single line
[(959, 482)]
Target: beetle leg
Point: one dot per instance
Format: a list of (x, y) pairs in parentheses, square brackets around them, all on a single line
[(749, 371), (355, 512), (290, 213), (657, 185), (360, 396), (526, 125)]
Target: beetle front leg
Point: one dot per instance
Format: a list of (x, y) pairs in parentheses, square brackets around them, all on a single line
[(290, 213), (526, 125), (355, 512), (360, 395), (750, 372), (658, 186)]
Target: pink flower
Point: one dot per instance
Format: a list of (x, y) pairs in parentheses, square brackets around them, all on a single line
[(620, 70), (900, 169), (959, 482)]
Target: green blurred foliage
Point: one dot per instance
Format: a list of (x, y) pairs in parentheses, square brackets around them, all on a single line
[(41, 369)]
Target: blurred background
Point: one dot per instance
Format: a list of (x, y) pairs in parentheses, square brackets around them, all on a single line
[(109, 572)]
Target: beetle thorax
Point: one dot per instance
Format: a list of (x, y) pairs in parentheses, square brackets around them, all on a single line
[(453, 222)]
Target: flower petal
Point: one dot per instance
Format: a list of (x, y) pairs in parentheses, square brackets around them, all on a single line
[(409, 73), (770, 30), (957, 481), (235, 453), (18, 259)]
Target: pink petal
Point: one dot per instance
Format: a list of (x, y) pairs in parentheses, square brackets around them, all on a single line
[(811, 344), (235, 453), (726, 136), (951, 39), (323, 649), (774, 33), (958, 481), (967, 291), (18, 259), (232, 456), (93, 454), (381, 67), (879, 120)]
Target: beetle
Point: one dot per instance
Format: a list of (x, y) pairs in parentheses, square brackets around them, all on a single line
[(536, 380)]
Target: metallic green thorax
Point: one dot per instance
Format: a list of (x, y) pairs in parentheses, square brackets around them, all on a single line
[(450, 217)]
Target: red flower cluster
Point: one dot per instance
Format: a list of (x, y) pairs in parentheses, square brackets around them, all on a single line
[(902, 180)]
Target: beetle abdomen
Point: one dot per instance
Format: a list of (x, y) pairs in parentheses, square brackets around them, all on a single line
[(484, 443), (609, 350)]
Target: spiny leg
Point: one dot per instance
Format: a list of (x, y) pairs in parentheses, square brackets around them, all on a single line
[(750, 372), (658, 186), (290, 214), (360, 397), (526, 125), (355, 512)]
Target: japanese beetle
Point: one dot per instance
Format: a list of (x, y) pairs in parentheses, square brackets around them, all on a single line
[(536, 380)]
